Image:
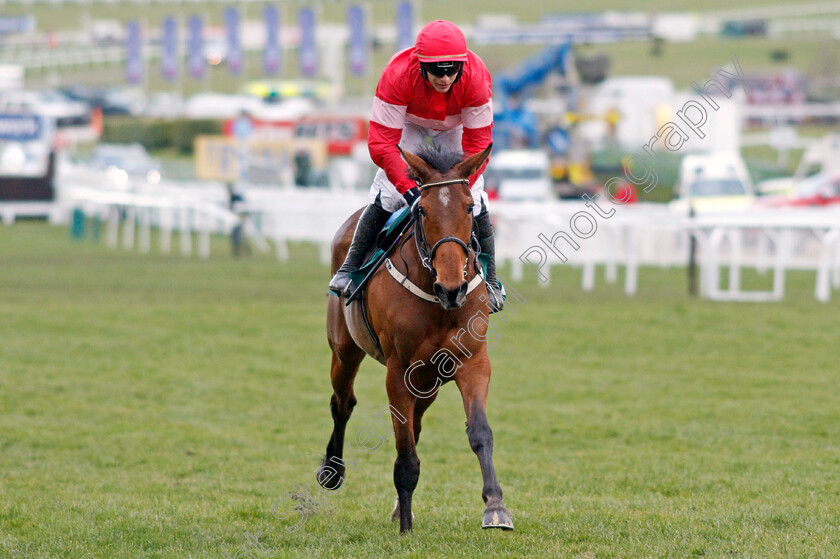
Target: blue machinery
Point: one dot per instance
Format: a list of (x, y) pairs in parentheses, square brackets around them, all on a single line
[(513, 123)]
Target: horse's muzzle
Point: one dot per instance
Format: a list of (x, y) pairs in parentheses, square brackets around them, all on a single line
[(451, 298)]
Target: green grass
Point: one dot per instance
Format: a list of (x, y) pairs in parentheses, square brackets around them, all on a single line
[(156, 406)]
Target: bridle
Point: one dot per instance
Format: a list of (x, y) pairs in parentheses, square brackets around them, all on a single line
[(428, 255)]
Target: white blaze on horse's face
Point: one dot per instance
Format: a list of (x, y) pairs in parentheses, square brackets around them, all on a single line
[(443, 196)]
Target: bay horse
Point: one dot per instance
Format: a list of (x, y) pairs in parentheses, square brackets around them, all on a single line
[(410, 332)]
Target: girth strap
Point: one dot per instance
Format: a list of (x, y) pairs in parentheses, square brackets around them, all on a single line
[(412, 287)]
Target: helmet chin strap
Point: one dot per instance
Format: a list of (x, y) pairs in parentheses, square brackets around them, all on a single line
[(458, 77)]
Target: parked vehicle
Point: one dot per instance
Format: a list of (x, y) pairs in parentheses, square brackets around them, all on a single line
[(11, 76), (107, 32), (164, 105), (220, 106), (50, 104), (822, 156), (110, 100), (519, 174), (822, 189), (123, 161), (716, 182)]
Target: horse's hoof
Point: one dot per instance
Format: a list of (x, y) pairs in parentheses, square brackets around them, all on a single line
[(497, 518), (329, 477)]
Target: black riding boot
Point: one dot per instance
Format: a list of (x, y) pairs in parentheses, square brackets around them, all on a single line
[(370, 222), (485, 238)]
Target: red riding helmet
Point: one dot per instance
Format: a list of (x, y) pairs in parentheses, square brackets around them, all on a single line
[(441, 41)]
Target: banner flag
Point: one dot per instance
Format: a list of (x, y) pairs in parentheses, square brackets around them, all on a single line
[(169, 57), (405, 25), (234, 45), (272, 54), (308, 47), (134, 54), (358, 41), (195, 47)]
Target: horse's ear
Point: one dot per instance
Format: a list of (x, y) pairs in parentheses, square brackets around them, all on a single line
[(474, 162), (419, 167)]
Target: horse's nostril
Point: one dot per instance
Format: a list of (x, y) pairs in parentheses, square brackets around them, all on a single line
[(461, 295), (451, 298), (440, 292)]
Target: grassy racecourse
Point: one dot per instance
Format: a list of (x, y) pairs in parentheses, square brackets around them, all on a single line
[(156, 406)]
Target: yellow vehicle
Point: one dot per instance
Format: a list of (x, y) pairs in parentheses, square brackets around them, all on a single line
[(714, 182)]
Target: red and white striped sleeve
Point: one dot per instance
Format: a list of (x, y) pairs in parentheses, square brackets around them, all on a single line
[(477, 113), (386, 126)]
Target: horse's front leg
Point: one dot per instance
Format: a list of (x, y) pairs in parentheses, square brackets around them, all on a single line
[(407, 464), (420, 407), (473, 380)]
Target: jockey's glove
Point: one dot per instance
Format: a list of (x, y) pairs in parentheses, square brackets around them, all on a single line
[(411, 195)]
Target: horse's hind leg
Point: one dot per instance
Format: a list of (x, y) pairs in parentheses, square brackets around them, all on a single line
[(473, 381), (346, 357)]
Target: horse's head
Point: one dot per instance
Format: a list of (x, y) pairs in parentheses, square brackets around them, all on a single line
[(445, 212)]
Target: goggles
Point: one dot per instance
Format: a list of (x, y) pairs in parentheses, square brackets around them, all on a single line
[(440, 69)]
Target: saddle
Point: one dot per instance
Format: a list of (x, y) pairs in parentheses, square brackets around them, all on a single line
[(384, 240), (355, 313)]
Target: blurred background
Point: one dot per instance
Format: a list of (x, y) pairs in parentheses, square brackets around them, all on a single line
[(261, 111), (171, 177)]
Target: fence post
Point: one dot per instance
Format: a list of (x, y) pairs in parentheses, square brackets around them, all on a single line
[(167, 217), (144, 244), (186, 232), (203, 235), (113, 227), (631, 279), (692, 258), (128, 227)]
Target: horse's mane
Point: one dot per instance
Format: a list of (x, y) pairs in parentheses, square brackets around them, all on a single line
[(438, 158)]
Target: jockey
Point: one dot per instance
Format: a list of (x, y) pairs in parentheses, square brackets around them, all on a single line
[(435, 93)]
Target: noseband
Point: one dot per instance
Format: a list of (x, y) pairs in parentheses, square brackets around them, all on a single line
[(427, 255)]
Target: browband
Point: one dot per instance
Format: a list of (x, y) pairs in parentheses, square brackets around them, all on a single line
[(444, 183)]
